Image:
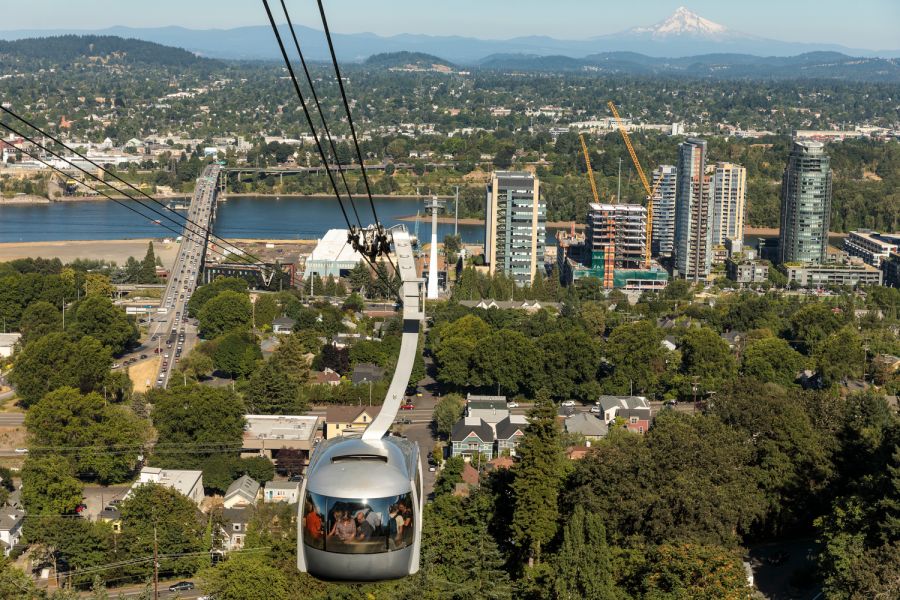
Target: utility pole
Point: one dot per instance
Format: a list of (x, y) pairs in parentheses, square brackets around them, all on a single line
[(155, 567), (456, 214)]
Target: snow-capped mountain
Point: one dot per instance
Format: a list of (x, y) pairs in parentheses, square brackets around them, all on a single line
[(684, 22)]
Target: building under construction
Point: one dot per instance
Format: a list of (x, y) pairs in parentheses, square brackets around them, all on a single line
[(612, 250)]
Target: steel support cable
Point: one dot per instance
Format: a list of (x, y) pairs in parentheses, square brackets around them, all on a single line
[(116, 200), (199, 227), (315, 96), (309, 121), (359, 156), (337, 72)]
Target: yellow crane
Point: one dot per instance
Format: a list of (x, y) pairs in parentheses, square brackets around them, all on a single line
[(609, 254), (651, 192)]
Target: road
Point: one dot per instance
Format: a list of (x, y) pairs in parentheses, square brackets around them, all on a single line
[(170, 329)]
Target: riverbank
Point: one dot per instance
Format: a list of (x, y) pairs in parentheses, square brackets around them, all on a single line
[(24, 199), (356, 198), (117, 251)]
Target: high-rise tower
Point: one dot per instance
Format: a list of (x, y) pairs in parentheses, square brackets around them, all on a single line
[(693, 213), (729, 189), (515, 225), (664, 210), (805, 204)]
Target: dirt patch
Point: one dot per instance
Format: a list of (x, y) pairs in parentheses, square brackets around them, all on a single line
[(143, 373), (13, 437), (871, 176)]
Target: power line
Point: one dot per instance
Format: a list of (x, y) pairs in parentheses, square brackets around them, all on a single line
[(111, 174), (321, 113)]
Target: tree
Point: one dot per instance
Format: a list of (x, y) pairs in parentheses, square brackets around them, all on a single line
[(637, 356), (840, 355), (707, 356), (537, 479), (273, 392), (246, 576), (336, 359), (811, 324), (449, 476), (66, 418), (508, 360), (97, 284), (99, 318), (454, 347), (54, 361), (205, 293), (447, 412), (227, 312), (14, 583), (197, 365), (155, 513), (235, 354), (265, 310), (49, 486), (148, 266), (689, 571), (39, 318), (584, 562), (594, 316), (771, 360), (194, 422)]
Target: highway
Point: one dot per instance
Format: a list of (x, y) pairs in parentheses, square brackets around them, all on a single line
[(171, 332)]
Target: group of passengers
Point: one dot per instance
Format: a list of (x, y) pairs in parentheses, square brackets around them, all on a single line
[(362, 525)]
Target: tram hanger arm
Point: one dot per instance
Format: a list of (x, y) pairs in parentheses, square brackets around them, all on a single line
[(413, 316)]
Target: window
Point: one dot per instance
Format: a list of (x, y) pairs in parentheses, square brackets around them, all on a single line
[(358, 526), (236, 526)]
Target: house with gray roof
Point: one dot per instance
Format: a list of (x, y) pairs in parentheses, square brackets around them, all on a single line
[(242, 492), (611, 405), (492, 409), (234, 527), (587, 425), (509, 433), (470, 436), (11, 520)]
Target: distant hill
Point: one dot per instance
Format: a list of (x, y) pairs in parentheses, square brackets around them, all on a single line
[(812, 65), (388, 60), (100, 49)]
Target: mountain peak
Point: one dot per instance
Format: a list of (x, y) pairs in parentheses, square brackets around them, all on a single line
[(684, 22)]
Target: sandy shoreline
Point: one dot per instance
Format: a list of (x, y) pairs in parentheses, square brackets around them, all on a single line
[(67, 251)]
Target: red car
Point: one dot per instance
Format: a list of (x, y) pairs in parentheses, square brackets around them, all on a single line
[(408, 407)]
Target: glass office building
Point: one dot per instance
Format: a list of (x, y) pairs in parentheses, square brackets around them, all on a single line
[(693, 213), (805, 204)]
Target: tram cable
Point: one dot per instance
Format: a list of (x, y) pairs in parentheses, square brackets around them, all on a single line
[(199, 228), (315, 96)]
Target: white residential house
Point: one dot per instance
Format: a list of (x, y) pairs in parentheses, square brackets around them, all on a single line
[(282, 491), (611, 405), (10, 528), (242, 492), (189, 483), (8, 343)]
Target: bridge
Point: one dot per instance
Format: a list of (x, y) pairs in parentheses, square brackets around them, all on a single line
[(170, 332)]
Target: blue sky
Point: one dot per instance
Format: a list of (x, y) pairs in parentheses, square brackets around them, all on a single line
[(870, 24)]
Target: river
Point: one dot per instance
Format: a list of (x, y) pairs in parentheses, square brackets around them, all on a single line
[(266, 217)]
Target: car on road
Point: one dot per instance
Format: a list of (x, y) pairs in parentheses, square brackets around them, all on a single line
[(181, 586), (568, 403), (512, 405), (671, 403), (143, 356), (21, 450), (408, 406), (595, 410)]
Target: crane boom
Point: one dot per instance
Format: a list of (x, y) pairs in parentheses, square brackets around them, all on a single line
[(590, 171), (637, 165)]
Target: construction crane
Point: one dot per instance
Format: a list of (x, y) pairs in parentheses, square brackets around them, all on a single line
[(651, 192), (609, 254)]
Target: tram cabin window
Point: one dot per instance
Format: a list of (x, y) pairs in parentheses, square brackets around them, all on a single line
[(358, 526)]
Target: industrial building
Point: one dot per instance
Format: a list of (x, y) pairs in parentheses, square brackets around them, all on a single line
[(833, 274), (515, 225), (805, 204), (333, 256)]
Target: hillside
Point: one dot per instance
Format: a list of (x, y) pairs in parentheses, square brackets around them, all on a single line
[(812, 65), (417, 60), (97, 49)]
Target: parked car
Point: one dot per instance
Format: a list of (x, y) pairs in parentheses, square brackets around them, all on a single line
[(512, 405), (568, 403), (143, 356), (595, 410), (21, 450), (408, 406), (181, 586)]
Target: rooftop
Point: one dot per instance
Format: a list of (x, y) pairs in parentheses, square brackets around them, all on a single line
[(282, 485), (9, 339), (334, 247), (348, 414), (244, 485), (179, 480), (10, 517), (586, 424), (468, 425), (280, 427)]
